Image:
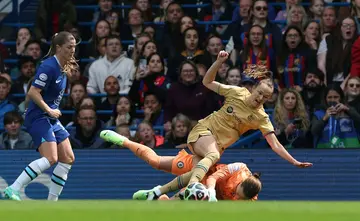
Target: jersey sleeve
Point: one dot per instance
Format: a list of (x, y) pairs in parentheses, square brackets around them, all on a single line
[(224, 172), (265, 126), (229, 91), (43, 77)]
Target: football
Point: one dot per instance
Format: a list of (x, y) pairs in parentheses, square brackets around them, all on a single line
[(196, 191)]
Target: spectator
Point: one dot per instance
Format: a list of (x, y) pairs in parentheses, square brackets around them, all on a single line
[(23, 36), (14, 137), (123, 130), (256, 52), (312, 34), (355, 11), (135, 25), (270, 104), (102, 30), (313, 90), (112, 88), (297, 16), (334, 54), (295, 59), (188, 96), (105, 7), (33, 49), (150, 30), (335, 125), (282, 15), (169, 35), (218, 10), (85, 102), (153, 110), (191, 51), (86, 133), (115, 22), (52, 17), (77, 93), (352, 92), (185, 23), (177, 137), (233, 76), (221, 74), (135, 50), (213, 46), (23, 105), (26, 66), (144, 6), (151, 80), (260, 17), (147, 49), (76, 76), (316, 9), (146, 136), (241, 13), (291, 120), (101, 50), (328, 21), (114, 63), (162, 10), (5, 104)]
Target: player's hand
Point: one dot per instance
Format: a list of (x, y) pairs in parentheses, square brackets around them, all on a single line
[(222, 56), (55, 113), (302, 164), (212, 195)]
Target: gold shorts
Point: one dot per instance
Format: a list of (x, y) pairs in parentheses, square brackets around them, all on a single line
[(199, 131)]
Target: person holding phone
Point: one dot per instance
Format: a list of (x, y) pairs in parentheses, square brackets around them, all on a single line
[(291, 120), (335, 125)]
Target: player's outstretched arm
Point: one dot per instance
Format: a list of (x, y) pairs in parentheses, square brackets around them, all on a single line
[(278, 148), (209, 78)]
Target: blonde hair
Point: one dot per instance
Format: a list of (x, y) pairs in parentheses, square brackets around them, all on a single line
[(304, 19), (260, 74), (60, 39), (281, 116)]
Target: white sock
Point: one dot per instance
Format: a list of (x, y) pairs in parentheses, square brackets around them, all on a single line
[(33, 170), (58, 180), (157, 191)]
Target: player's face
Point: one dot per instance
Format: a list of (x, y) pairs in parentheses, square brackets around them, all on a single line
[(289, 101), (123, 106), (77, 93), (260, 95), (4, 91), (112, 86), (67, 50)]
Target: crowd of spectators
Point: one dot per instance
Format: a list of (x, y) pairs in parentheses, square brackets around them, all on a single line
[(148, 63)]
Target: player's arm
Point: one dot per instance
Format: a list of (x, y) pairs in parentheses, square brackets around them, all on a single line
[(223, 173), (278, 148), (34, 94), (209, 78)]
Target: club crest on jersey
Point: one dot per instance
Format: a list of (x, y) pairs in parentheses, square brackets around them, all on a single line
[(229, 109), (180, 164), (43, 77)]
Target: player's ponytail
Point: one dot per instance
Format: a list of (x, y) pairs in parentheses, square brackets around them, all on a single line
[(60, 39)]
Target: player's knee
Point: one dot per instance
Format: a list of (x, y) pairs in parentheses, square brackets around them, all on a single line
[(213, 156), (52, 159)]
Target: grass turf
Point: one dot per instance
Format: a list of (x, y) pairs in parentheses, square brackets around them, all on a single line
[(177, 210)]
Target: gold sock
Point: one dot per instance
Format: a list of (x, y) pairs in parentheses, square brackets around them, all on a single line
[(177, 183)]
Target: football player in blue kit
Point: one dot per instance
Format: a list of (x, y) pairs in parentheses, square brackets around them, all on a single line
[(41, 118)]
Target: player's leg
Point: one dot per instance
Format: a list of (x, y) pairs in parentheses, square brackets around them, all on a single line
[(66, 159), (141, 151), (43, 137), (207, 148)]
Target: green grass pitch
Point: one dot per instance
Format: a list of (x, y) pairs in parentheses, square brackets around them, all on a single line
[(98, 210)]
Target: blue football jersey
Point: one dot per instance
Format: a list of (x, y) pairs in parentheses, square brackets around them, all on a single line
[(53, 82)]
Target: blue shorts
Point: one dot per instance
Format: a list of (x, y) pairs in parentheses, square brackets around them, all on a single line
[(47, 130)]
